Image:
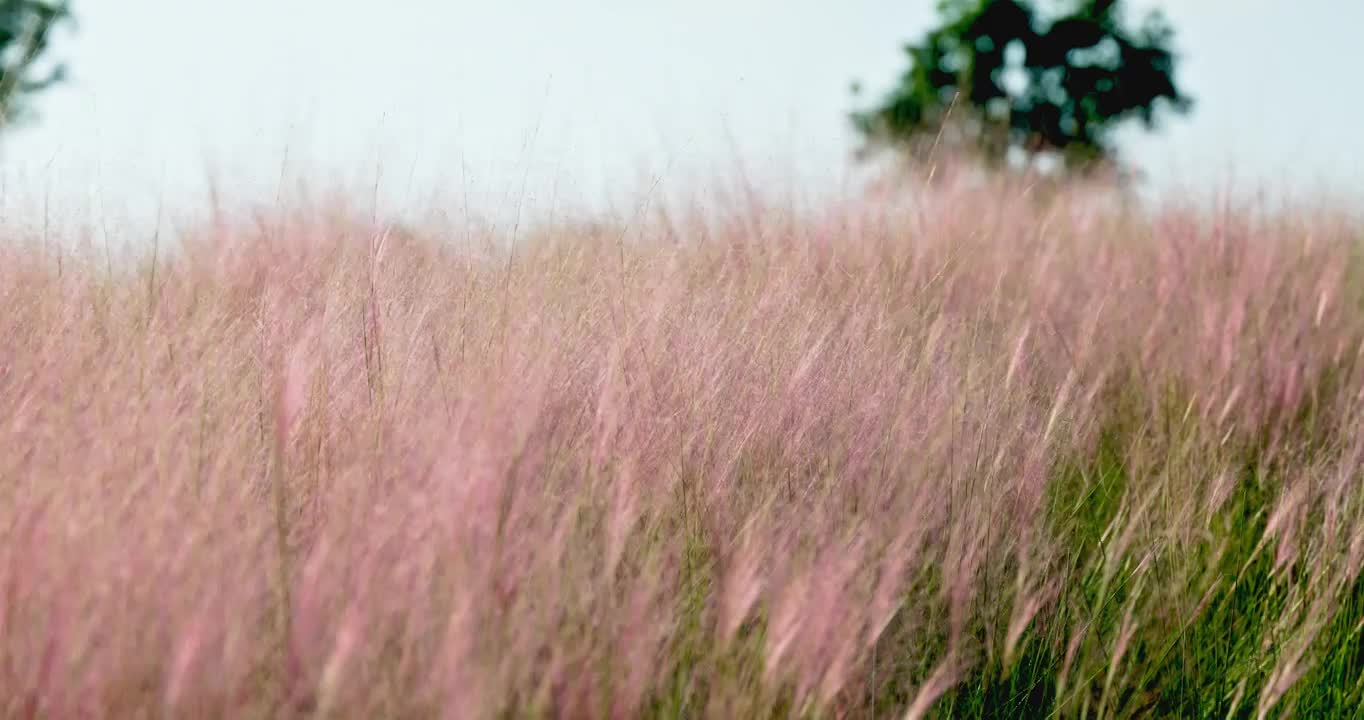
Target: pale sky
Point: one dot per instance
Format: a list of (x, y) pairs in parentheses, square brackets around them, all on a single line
[(570, 103)]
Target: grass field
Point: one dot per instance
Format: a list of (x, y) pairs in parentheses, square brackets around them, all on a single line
[(987, 452)]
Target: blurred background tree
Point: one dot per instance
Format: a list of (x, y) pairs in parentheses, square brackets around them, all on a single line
[(1012, 82), (25, 29)]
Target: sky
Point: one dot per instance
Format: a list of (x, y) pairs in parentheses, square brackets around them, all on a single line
[(536, 105)]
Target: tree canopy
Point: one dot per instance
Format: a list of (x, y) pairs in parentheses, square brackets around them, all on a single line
[(25, 30), (1008, 78)]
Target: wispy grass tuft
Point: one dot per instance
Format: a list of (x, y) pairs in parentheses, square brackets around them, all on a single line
[(983, 452)]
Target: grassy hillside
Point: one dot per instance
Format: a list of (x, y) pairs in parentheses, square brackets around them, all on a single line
[(982, 454)]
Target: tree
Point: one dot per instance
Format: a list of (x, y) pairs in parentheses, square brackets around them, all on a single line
[(1011, 80), (25, 30)]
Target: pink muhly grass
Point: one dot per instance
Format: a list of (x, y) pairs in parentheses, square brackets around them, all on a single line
[(737, 461)]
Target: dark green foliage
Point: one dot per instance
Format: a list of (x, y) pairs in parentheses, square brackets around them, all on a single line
[(1010, 77), (1335, 685), (25, 31), (1025, 690)]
